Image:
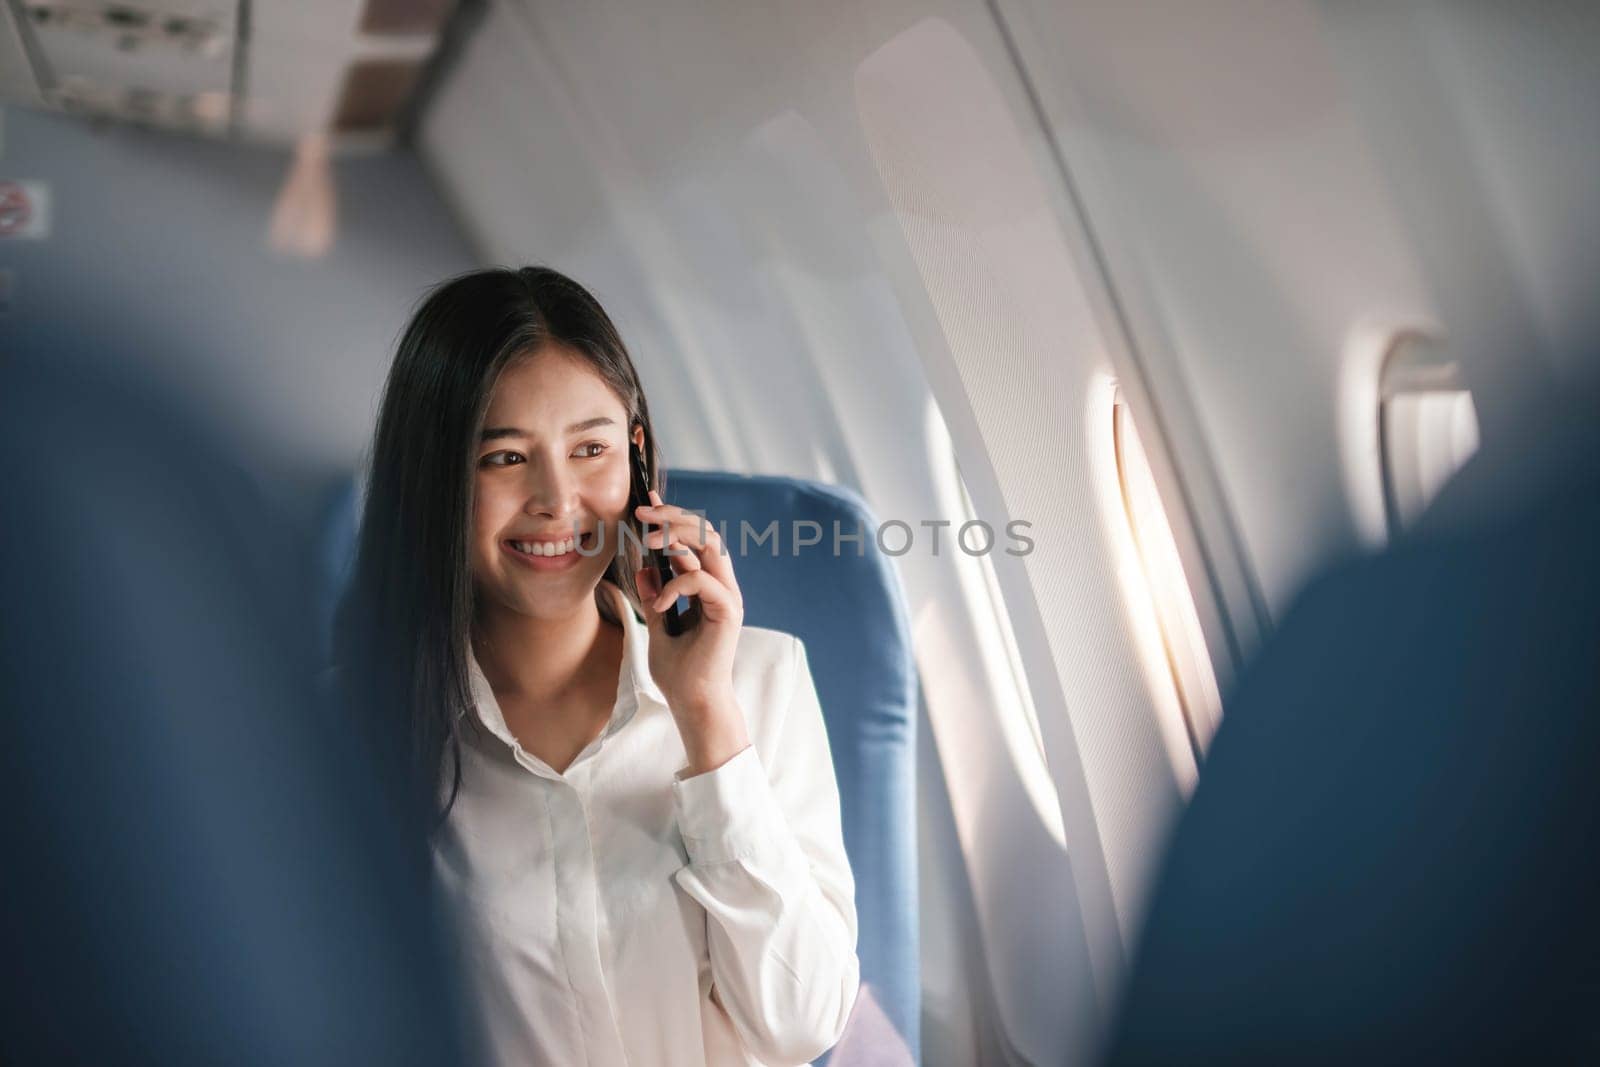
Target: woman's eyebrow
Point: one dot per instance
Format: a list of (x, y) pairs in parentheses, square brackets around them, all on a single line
[(494, 433), (589, 424)]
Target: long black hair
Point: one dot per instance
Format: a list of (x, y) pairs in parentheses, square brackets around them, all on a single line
[(403, 631)]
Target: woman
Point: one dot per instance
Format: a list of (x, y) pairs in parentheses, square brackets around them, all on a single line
[(641, 830)]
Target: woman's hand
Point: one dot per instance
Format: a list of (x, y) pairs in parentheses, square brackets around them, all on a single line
[(695, 669)]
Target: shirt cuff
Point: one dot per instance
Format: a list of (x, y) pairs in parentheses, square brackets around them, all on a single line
[(728, 813)]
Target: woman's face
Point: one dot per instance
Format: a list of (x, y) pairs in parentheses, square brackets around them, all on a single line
[(553, 457)]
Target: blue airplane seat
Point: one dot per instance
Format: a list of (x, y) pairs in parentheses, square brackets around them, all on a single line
[(849, 611), (335, 556)]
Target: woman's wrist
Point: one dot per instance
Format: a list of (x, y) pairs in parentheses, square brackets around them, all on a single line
[(713, 732)]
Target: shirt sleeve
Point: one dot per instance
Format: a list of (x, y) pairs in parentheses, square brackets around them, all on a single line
[(767, 862)]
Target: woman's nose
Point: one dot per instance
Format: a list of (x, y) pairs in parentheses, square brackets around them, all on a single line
[(552, 491)]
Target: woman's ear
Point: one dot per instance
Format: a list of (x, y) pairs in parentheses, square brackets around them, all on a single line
[(638, 435)]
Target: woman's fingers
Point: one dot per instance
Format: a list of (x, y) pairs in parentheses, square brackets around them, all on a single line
[(717, 601), (693, 532), (677, 549), (692, 529), (682, 557)]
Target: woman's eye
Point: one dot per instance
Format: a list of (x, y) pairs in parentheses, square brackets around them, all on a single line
[(500, 459), (598, 446)]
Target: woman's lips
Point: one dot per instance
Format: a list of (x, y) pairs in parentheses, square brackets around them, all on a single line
[(547, 563)]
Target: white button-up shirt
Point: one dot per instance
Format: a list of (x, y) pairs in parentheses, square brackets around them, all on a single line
[(621, 914)]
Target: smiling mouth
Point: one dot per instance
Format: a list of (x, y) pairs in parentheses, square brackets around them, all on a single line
[(552, 549)]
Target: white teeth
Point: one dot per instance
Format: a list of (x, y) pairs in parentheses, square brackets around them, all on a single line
[(558, 548)]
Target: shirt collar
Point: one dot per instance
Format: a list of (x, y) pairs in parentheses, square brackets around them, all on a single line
[(635, 649), (635, 687)]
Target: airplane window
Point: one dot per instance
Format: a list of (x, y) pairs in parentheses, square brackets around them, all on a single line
[(1193, 715), (1428, 427)]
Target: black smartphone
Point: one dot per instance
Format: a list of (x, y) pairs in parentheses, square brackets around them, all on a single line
[(683, 614)]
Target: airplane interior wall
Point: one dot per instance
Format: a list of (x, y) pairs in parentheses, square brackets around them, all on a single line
[(1482, 114), (284, 355), (1523, 79)]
